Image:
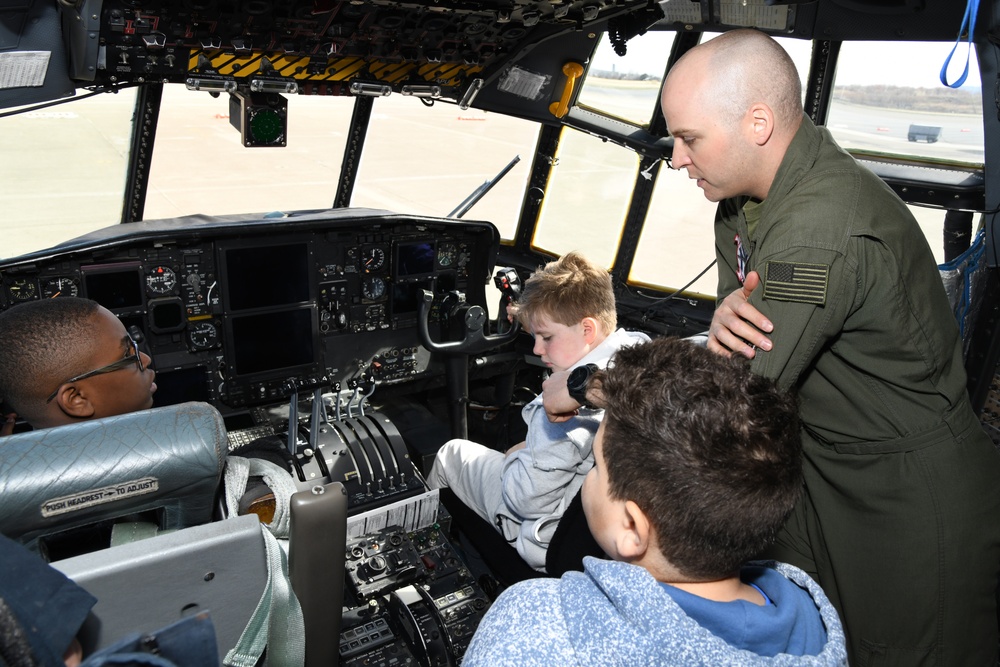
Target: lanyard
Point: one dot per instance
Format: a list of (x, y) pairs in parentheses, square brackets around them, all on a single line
[(971, 9)]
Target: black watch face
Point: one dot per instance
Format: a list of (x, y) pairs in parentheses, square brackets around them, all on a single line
[(576, 384)]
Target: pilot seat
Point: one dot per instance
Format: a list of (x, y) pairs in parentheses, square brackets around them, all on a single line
[(67, 489), (85, 496)]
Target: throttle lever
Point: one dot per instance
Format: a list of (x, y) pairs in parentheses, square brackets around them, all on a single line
[(317, 421), (293, 419), (367, 387)]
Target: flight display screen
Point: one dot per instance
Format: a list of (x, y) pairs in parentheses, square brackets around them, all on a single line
[(266, 276), (114, 287), (414, 260), (406, 297), (181, 385), (264, 342)]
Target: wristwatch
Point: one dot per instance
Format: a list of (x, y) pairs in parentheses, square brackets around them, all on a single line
[(576, 383)]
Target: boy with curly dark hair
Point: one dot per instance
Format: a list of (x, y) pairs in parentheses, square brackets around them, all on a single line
[(698, 463)]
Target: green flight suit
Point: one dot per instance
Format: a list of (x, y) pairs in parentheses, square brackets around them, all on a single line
[(900, 520)]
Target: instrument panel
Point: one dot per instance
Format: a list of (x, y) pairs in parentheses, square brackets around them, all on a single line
[(245, 313), (241, 311)]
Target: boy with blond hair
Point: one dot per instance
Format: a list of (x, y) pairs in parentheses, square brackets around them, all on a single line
[(569, 308)]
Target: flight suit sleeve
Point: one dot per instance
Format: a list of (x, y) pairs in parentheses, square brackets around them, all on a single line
[(807, 293)]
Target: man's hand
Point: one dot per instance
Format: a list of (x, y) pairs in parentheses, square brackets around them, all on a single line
[(8, 424), (559, 407), (738, 327)]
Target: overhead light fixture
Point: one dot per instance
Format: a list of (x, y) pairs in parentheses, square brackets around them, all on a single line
[(211, 85), (432, 92), (266, 86), (370, 89), (470, 94)]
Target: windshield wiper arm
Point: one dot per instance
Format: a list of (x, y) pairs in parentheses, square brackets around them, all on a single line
[(479, 192)]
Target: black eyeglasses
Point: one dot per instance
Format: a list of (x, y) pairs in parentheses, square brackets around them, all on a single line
[(125, 362)]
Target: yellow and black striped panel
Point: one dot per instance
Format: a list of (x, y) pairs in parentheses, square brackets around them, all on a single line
[(339, 69)]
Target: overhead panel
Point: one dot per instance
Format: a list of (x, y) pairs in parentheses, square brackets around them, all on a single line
[(326, 48)]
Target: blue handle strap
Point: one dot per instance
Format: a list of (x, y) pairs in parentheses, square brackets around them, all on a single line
[(971, 9)]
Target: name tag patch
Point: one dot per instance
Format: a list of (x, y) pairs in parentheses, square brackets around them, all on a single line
[(107, 494), (801, 283)]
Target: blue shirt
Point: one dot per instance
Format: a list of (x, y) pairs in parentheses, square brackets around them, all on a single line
[(788, 623)]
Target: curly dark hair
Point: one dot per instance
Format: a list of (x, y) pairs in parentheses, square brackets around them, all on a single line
[(40, 345), (708, 450)]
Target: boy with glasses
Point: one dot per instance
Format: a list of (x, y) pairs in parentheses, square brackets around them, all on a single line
[(66, 360)]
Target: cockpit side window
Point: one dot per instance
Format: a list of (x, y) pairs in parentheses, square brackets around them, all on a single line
[(888, 99), (678, 239), (587, 197), (888, 103), (628, 86)]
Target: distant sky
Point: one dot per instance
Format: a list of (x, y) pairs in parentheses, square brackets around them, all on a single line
[(860, 63), (904, 64)]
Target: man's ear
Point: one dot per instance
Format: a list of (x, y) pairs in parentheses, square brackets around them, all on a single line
[(590, 329), (762, 123), (74, 402), (633, 541)]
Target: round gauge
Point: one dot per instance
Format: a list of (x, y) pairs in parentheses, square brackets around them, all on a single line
[(373, 288), (203, 335), (22, 289), (373, 259), (447, 253), (161, 280), (54, 287)]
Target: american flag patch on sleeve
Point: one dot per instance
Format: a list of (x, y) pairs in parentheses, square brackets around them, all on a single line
[(802, 283)]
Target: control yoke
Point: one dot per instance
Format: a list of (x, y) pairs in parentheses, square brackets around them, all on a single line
[(469, 322), (475, 340)]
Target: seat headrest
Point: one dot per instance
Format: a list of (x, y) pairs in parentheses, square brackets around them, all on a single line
[(167, 459)]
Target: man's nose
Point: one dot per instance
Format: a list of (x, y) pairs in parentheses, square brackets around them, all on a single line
[(679, 159)]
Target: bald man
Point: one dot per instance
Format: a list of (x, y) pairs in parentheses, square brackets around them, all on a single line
[(67, 360), (827, 283)]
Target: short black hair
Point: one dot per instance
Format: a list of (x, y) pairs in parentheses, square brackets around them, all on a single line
[(708, 450), (41, 343)]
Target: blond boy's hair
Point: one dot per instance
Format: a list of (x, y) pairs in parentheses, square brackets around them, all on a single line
[(566, 291)]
